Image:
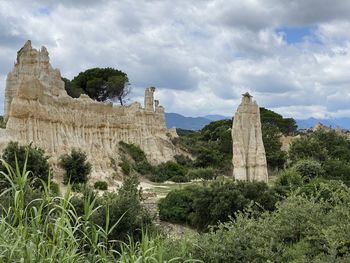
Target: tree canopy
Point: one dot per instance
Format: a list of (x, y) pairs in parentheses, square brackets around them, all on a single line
[(100, 84)]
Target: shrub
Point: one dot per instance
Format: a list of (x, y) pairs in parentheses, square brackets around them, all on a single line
[(144, 167), (288, 180), (125, 166), (37, 161), (101, 185), (134, 151), (176, 207), (336, 169), (301, 229), (200, 206), (183, 160), (76, 166), (201, 173), (308, 169), (166, 171)]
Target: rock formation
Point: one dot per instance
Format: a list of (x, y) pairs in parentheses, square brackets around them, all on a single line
[(38, 110), (249, 159)]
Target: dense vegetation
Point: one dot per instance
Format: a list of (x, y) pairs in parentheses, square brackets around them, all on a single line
[(76, 167), (37, 162), (324, 154), (201, 206), (99, 84)]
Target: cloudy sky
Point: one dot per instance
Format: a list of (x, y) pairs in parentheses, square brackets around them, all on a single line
[(292, 55)]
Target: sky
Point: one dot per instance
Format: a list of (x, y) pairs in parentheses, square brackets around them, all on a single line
[(293, 56)]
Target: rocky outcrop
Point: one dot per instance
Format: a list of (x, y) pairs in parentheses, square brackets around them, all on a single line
[(249, 158), (39, 111)]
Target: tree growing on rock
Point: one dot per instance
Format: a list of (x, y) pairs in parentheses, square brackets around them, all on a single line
[(100, 84)]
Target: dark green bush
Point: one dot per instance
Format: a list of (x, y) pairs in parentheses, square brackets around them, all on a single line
[(308, 169), (166, 171), (201, 173), (144, 167), (183, 160), (179, 179), (301, 229), (37, 162), (76, 167), (134, 151), (289, 180), (101, 185), (337, 169), (125, 166), (200, 206), (177, 205)]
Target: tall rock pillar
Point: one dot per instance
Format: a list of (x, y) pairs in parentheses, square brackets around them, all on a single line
[(249, 158), (149, 99)]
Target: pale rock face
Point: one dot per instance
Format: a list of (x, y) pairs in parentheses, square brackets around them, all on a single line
[(249, 158), (38, 110)]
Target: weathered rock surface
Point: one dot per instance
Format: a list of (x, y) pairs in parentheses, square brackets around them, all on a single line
[(249, 158), (38, 110)]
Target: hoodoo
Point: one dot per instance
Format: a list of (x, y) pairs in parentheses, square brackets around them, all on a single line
[(249, 158), (39, 111)]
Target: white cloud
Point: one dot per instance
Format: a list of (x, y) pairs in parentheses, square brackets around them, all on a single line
[(201, 55)]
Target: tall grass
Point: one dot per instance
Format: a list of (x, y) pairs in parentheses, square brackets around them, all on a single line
[(48, 228)]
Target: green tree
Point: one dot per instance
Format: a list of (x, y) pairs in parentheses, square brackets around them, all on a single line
[(76, 167), (37, 161), (100, 84), (275, 157)]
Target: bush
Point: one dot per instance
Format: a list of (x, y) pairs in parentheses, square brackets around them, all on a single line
[(201, 173), (166, 171), (125, 166), (37, 162), (301, 229), (183, 160), (76, 166), (177, 206), (289, 180), (134, 151), (308, 169), (337, 169), (101, 185), (144, 167), (200, 206)]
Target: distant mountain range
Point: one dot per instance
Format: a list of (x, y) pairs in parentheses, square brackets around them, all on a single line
[(197, 123)]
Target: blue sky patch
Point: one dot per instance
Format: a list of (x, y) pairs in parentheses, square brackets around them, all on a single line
[(43, 11), (295, 34)]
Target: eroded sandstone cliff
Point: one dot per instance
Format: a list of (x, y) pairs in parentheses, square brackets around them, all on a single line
[(39, 111)]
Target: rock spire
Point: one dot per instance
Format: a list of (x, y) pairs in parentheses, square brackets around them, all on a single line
[(249, 158)]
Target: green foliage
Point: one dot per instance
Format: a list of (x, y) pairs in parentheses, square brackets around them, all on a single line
[(201, 173), (200, 206), (169, 171), (302, 229), (37, 163), (289, 180), (308, 169), (287, 126), (101, 185), (275, 157), (183, 160), (134, 151), (177, 206), (307, 147), (76, 167), (100, 84), (140, 162), (337, 169), (125, 166)]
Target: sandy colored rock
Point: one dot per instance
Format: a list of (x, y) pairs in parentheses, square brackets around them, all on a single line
[(249, 158), (38, 110)]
